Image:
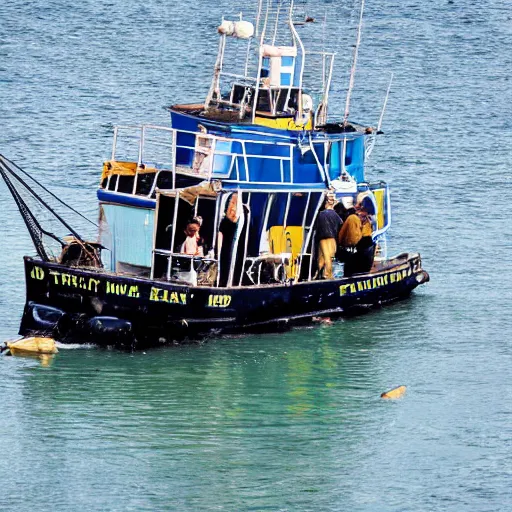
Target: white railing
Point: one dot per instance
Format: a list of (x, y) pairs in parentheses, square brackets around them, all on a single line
[(157, 147), (160, 149)]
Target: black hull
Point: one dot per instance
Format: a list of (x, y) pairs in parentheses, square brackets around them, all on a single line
[(85, 305)]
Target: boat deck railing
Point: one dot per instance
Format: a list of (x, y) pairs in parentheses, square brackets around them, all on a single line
[(159, 149)]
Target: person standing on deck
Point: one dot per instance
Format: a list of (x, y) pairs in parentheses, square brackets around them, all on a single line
[(327, 227), (366, 245), (348, 237), (226, 238), (356, 246)]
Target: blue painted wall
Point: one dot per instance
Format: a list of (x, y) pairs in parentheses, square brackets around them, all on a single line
[(131, 234), (354, 159)]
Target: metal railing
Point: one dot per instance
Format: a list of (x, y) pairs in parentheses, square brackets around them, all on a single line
[(153, 150), (209, 156)]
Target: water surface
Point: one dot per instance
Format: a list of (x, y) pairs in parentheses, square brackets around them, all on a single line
[(289, 421)]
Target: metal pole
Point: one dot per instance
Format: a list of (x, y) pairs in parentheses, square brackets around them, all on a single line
[(114, 144), (354, 64), (173, 235), (385, 103), (246, 237)]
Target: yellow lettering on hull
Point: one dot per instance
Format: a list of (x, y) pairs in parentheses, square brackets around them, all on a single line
[(86, 283), (161, 295), (219, 301), (375, 283), (37, 273)]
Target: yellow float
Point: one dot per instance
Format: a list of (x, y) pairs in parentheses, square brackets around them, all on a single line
[(32, 345), (395, 393)]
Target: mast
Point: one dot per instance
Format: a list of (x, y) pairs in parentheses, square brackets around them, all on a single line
[(354, 64), (215, 85)]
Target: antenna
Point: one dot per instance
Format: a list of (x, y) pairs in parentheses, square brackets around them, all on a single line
[(371, 142), (385, 103), (354, 63)]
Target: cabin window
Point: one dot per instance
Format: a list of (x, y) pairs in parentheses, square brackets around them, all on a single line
[(276, 222), (165, 228), (170, 234), (165, 218), (264, 103), (125, 184), (279, 221), (277, 210), (112, 184), (298, 203), (239, 92), (265, 67), (185, 214), (282, 95), (293, 102), (144, 183), (164, 180), (233, 232), (316, 199)]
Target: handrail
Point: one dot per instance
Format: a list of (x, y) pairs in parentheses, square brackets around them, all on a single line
[(174, 132), (160, 146), (241, 77), (204, 135)]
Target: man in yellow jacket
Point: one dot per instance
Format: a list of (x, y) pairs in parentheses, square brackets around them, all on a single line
[(355, 241)]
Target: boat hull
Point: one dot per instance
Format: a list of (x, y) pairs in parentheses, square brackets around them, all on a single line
[(86, 305)]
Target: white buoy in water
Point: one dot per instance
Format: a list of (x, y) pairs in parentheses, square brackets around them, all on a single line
[(33, 345)]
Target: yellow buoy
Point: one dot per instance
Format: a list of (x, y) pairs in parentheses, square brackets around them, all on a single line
[(32, 345), (394, 393)]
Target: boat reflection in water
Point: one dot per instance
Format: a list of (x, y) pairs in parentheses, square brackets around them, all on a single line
[(213, 227)]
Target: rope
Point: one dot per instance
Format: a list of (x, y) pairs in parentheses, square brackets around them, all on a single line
[(34, 228), (2, 157), (3, 161)]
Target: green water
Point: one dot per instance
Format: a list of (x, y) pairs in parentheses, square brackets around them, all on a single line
[(251, 422), (289, 421)]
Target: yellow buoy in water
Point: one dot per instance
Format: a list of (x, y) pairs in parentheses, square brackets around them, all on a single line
[(32, 345), (394, 393)]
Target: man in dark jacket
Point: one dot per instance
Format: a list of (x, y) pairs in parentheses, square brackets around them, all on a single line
[(327, 226)]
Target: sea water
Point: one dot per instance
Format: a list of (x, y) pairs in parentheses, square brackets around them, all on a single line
[(289, 421)]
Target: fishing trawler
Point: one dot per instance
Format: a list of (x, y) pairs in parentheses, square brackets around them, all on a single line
[(249, 168)]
